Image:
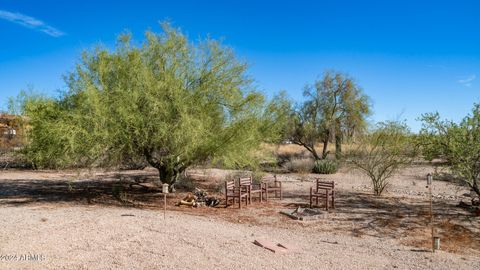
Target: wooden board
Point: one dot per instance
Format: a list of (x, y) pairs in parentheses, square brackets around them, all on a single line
[(269, 246), (289, 247)]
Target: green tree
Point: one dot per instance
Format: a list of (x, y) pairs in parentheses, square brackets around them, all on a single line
[(383, 152), (169, 102), (456, 143), (335, 108)]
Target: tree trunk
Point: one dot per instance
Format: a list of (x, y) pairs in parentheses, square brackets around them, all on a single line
[(476, 189), (325, 151), (338, 146), (314, 153), (325, 145), (168, 175)]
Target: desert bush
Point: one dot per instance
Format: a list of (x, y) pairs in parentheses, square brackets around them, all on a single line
[(185, 183), (325, 166), (456, 143), (236, 174), (383, 152), (257, 176), (219, 186), (299, 165)]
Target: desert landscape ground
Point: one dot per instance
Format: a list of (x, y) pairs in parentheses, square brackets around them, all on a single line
[(76, 220)]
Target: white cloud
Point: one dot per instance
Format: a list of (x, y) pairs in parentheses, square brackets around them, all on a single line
[(467, 81), (31, 23)]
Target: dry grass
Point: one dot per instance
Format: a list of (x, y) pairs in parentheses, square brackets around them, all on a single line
[(291, 149), (299, 165), (294, 150)]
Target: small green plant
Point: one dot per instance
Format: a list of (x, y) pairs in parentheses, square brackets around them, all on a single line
[(71, 188), (123, 197), (325, 166), (120, 194)]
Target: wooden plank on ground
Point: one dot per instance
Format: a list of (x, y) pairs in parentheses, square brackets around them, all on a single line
[(289, 247), (269, 245)]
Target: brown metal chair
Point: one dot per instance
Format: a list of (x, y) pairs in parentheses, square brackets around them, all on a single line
[(252, 188), (271, 184), (323, 189), (235, 192)]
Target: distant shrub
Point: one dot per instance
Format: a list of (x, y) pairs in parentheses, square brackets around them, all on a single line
[(219, 186), (185, 183), (383, 152), (257, 176), (234, 175), (303, 165), (325, 166)]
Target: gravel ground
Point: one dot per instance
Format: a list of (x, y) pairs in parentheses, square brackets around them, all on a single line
[(45, 225), (127, 238)]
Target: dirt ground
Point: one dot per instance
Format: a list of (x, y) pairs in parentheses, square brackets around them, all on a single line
[(104, 220)]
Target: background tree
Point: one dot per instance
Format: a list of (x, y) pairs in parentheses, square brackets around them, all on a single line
[(457, 144), (335, 108), (169, 102), (383, 152)]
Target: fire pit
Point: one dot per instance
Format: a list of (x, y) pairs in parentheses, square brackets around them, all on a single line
[(305, 214)]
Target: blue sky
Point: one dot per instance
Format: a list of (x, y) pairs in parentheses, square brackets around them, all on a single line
[(410, 57)]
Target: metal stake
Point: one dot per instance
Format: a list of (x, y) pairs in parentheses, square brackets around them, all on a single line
[(430, 183), (164, 191)]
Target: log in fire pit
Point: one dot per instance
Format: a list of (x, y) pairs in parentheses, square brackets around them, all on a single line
[(305, 214)]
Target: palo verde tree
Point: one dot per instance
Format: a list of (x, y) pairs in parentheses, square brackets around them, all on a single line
[(456, 143), (169, 102), (335, 108), (382, 152)]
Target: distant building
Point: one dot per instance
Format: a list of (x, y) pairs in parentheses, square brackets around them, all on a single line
[(10, 131)]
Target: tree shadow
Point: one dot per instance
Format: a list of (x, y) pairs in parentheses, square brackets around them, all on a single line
[(406, 219), (115, 190), (356, 213)]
